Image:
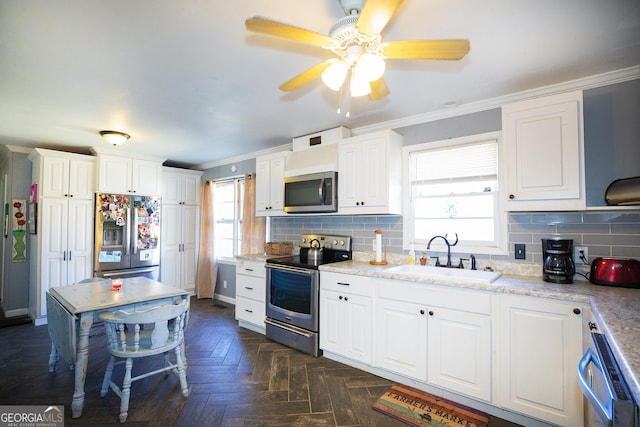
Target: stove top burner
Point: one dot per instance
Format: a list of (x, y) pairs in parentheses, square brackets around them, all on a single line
[(334, 249), (303, 261)]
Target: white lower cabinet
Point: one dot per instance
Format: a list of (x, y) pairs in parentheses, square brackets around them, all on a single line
[(459, 352), (518, 353), (346, 316), (440, 336), (401, 337), (540, 346), (251, 294)]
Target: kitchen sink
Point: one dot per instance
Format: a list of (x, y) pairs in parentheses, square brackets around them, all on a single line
[(458, 274)]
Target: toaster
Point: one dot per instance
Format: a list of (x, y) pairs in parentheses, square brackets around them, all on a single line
[(624, 272)]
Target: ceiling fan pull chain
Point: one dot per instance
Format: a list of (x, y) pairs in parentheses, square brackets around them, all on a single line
[(340, 99)]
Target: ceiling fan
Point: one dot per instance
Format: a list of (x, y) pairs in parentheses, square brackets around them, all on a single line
[(356, 41)]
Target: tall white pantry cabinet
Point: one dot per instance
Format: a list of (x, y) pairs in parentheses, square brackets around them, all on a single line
[(180, 224), (62, 247)]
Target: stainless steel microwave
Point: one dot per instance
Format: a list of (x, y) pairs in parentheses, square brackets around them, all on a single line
[(311, 193)]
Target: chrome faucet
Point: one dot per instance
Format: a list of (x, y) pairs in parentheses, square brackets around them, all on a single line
[(448, 246)]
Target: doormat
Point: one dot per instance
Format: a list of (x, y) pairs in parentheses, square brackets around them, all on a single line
[(418, 408)]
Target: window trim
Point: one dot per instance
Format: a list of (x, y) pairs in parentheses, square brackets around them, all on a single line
[(501, 218), (237, 209)]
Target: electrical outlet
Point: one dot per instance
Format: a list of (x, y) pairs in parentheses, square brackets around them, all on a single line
[(520, 251), (224, 284), (577, 253)]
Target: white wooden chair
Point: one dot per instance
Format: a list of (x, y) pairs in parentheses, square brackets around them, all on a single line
[(132, 341)]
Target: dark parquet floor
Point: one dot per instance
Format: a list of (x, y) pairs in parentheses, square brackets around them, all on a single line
[(237, 378)]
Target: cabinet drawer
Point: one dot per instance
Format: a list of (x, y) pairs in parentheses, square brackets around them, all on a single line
[(436, 296), (359, 285), (251, 268), (250, 287), (250, 311)]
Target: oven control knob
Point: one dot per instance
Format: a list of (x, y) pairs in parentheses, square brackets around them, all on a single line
[(335, 242), (304, 240)]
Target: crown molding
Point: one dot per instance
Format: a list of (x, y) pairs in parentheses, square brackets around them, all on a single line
[(612, 77), (248, 156)]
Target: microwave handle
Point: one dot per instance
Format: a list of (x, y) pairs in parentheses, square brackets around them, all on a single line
[(321, 191), (605, 412)]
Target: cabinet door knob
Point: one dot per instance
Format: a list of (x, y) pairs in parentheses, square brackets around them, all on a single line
[(576, 311), (346, 298), (421, 311), (340, 297), (511, 196), (430, 312)]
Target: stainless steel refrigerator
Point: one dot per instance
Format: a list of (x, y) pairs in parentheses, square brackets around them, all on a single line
[(127, 236)]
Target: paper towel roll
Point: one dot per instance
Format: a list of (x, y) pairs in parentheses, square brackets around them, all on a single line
[(378, 245)]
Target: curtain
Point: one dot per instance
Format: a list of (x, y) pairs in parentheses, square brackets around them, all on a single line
[(253, 227), (207, 271)]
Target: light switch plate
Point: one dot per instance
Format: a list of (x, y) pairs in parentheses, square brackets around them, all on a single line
[(520, 251)]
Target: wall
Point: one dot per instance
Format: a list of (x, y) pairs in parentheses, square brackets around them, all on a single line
[(612, 136), (14, 275), (226, 272), (225, 171)]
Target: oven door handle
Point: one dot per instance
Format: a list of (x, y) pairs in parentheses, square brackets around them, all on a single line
[(605, 411), (291, 268)]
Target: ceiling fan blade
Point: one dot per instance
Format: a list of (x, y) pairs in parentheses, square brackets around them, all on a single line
[(306, 76), (379, 89), (274, 28), (427, 49), (375, 15)]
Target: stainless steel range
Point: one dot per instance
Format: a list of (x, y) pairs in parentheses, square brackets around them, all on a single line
[(293, 291)]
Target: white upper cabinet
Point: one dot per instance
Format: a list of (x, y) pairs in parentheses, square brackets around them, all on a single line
[(544, 153), (126, 175), (369, 174), (269, 184), (180, 186), (67, 177)]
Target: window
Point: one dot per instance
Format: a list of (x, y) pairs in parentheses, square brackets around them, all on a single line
[(227, 212), (453, 187)]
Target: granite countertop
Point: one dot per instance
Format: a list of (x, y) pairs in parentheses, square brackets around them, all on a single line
[(255, 257), (616, 310)]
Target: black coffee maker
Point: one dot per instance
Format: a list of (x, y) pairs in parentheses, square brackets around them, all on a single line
[(558, 266)]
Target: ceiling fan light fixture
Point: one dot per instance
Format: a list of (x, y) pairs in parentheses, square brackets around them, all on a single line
[(114, 137), (370, 67), (359, 86), (335, 75)]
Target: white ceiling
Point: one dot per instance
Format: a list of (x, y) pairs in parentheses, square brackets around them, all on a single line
[(192, 85)]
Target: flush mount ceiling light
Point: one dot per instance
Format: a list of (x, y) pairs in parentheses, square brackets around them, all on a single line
[(114, 137)]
